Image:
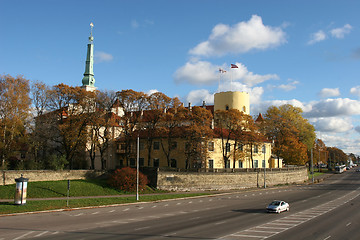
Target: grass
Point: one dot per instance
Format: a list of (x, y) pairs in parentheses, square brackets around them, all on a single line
[(78, 188), (32, 206)]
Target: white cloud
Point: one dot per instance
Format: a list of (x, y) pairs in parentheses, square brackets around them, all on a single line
[(355, 91), (239, 38), (332, 124), (285, 87), (317, 37), (329, 92), (151, 91), (333, 108), (102, 57), (340, 32), (197, 73), (196, 97), (203, 72)]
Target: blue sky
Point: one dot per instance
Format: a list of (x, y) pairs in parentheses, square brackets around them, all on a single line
[(305, 53)]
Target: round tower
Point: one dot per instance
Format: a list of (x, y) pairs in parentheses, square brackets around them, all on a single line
[(232, 100)]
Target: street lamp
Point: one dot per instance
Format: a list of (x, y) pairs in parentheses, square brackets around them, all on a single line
[(137, 169), (264, 150)]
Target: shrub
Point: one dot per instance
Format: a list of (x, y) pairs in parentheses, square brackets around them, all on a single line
[(125, 179)]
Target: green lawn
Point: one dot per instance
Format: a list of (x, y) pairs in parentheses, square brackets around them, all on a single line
[(78, 188)]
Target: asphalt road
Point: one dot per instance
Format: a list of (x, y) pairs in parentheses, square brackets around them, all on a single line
[(328, 210)]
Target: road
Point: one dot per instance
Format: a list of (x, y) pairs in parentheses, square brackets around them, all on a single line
[(327, 210)]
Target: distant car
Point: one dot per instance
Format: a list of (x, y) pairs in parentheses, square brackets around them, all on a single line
[(278, 206), (358, 170)]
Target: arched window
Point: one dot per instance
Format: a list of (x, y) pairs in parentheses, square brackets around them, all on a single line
[(226, 107)]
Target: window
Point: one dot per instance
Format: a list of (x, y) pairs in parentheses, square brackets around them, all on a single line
[(141, 146), (211, 146), (256, 163), (263, 164), (264, 148), (256, 149), (227, 147), (156, 145), (227, 107), (141, 162), (132, 162), (156, 162), (211, 163), (240, 164), (241, 147), (173, 145), (173, 163)]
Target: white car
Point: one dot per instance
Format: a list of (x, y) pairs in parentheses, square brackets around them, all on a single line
[(278, 206)]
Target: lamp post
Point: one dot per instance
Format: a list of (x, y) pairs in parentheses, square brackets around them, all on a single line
[(137, 168), (264, 150)]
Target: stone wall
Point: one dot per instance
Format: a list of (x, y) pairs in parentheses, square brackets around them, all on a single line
[(8, 176), (195, 181)]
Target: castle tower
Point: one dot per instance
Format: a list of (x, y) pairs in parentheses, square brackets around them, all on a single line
[(88, 81), (232, 100)]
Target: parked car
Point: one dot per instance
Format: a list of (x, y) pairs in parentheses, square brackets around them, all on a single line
[(278, 206)]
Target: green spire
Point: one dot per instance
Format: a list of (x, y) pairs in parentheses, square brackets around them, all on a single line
[(89, 80)]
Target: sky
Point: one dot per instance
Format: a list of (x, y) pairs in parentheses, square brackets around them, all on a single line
[(305, 53)]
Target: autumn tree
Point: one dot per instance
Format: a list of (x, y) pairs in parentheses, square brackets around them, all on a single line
[(132, 104), (197, 132), (170, 127), (102, 126), (70, 110), (14, 112), (291, 133), (337, 156), (239, 128)]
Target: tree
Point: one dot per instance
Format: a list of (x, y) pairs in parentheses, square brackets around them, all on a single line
[(14, 112), (291, 133), (102, 124), (158, 103), (337, 156), (238, 127), (197, 133), (70, 111), (132, 103)]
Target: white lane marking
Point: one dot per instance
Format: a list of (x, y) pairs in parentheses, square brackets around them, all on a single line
[(166, 205), (95, 213), (126, 209), (55, 232), (348, 224), (40, 234), (24, 235), (218, 223), (327, 237), (78, 214), (142, 228), (154, 206), (112, 211), (140, 208)]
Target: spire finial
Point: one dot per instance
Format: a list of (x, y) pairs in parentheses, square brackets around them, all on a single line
[(91, 38)]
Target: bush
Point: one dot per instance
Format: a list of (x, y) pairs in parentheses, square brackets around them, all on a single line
[(125, 179)]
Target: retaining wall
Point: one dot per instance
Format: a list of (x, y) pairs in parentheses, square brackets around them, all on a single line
[(8, 176), (195, 181)]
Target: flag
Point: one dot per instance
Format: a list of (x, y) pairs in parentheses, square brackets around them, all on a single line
[(234, 66)]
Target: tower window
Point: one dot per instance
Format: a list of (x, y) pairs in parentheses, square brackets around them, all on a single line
[(227, 107)]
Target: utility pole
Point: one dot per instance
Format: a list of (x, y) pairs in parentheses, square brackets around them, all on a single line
[(137, 169), (312, 166)]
